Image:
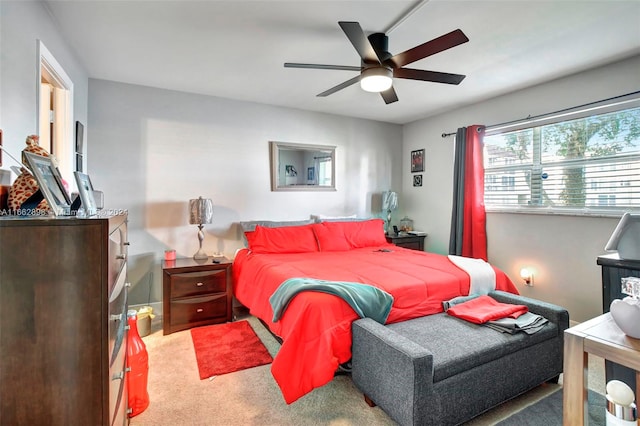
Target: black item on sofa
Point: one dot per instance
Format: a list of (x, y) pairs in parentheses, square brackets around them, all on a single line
[(440, 370)]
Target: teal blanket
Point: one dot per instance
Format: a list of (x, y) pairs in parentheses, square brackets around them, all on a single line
[(368, 301)]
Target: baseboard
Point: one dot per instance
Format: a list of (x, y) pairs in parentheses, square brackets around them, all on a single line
[(157, 307)]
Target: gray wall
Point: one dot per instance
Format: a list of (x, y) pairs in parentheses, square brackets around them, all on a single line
[(152, 150), (561, 249), (21, 24)]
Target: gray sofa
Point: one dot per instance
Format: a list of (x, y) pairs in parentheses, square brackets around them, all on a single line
[(441, 370)]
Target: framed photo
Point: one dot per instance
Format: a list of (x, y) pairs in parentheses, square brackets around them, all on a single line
[(311, 174), (79, 137), (85, 189), (50, 183), (417, 161), (78, 162), (417, 180)]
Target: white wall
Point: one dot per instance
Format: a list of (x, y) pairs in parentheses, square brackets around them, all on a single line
[(562, 249), (152, 150), (21, 24)]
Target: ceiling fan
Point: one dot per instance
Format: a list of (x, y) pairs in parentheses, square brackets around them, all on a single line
[(378, 67)]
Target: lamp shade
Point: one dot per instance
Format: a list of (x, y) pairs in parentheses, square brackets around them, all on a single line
[(389, 200), (200, 211), (376, 79)]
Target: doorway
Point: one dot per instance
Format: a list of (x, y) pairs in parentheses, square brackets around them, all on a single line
[(55, 112)]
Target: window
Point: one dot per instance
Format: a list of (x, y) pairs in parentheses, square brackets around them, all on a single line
[(583, 165)]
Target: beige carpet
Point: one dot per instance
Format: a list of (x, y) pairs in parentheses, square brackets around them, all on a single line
[(251, 397)]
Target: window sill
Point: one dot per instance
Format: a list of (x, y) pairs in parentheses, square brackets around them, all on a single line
[(559, 212)]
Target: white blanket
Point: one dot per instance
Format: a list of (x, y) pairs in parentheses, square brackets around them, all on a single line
[(483, 277)]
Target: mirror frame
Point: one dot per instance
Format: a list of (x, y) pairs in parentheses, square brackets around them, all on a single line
[(274, 156)]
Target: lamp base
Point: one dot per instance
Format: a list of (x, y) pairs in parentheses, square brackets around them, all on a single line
[(200, 255)]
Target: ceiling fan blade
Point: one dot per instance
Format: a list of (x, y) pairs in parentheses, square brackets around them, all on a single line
[(447, 41), (340, 86), (389, 95), (356, 36), (423, 75), (322, 67)]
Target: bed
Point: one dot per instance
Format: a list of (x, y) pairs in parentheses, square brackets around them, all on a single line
[(315, 328)]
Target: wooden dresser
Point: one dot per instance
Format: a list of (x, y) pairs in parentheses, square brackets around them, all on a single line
[(63, 317)]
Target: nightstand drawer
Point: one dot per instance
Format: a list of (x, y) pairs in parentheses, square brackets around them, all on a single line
[(189, 284), (192, 310), (413, 242)]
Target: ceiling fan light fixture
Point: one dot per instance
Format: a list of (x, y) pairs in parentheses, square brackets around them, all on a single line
[(376, 79)]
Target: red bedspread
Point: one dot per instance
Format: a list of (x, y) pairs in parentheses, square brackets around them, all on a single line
[(316, 327)]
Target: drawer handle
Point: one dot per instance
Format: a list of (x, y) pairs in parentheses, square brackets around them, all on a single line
[(121, 256), (199, 284), (199, 310)]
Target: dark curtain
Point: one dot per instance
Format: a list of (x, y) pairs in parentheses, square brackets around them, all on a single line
[(468, 218)]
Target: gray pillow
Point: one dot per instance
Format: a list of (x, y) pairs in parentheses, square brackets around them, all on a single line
[(353, 218), (250, 226)]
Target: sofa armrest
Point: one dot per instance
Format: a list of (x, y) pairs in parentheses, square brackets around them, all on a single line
[(403, 369), (553, 313)]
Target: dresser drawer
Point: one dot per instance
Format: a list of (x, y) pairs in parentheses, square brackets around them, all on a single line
[(189, 284), (117, 253), (117, 388), (117, 318), (193, 310)]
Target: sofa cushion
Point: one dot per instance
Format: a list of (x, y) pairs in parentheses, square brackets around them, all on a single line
[(459, 345)]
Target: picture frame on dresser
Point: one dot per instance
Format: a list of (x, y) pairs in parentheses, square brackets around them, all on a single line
[(85, 191), (49, 183)]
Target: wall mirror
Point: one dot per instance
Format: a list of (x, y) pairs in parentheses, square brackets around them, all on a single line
[(301, 167)]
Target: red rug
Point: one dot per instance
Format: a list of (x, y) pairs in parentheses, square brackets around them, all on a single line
[(225, 348)]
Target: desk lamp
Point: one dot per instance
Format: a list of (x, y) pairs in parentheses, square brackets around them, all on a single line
[(200, 212)]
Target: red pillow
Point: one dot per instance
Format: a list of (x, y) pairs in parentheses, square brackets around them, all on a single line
[(330, 236), (288, 239), (367, 233), (342, 236)]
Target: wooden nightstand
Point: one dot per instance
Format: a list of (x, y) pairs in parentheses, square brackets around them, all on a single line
[(195, 293), (414, 242)]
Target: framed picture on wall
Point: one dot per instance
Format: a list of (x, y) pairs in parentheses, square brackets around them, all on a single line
[(417, 180), (311, 174), (79, 137), (78, 162), (417, 161)]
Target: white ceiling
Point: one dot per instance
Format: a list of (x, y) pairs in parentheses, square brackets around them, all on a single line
[(236, 49)]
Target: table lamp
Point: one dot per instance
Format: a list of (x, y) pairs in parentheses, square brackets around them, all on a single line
[(389, 204), (200, 212)]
